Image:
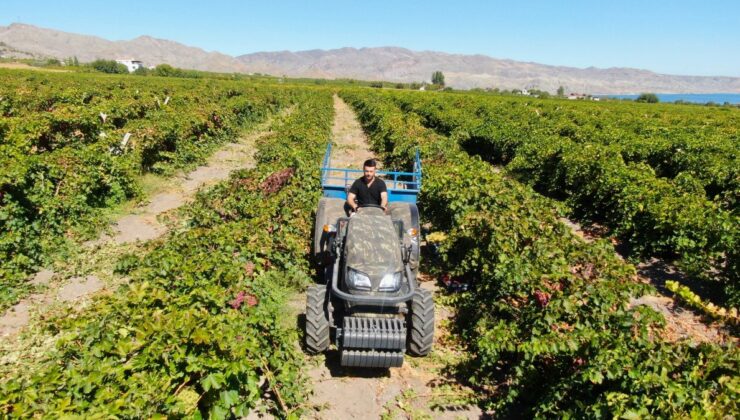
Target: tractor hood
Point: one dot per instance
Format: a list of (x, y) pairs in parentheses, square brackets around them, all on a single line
[(372, 245)]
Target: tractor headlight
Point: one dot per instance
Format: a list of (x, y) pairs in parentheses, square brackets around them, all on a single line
[(358, 280), (391, 282)]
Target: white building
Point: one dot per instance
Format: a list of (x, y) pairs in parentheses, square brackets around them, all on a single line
[(131, 65)]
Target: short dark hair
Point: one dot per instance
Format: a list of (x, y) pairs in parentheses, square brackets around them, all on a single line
[(370, 163)]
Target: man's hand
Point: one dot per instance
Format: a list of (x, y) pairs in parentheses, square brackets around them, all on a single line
[(352, 201)]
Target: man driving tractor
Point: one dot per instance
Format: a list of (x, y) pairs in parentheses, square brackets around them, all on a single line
[(368, 301), (368, 189)]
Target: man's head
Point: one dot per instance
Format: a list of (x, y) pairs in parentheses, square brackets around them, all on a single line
[(368, 169)]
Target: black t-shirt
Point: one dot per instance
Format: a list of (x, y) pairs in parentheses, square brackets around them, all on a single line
[(368, 195)]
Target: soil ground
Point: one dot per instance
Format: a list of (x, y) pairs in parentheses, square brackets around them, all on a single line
[(24, 66)]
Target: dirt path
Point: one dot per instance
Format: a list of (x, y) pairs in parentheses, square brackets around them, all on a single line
[(24, 66), (418, 389), (421, 388), (351, 143), (92, 270)]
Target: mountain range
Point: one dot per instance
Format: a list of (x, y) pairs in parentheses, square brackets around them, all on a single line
[(381, 63)]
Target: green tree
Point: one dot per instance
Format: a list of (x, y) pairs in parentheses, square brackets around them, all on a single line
[(649, 98), (109, 66), (142, 71), (438, 78), (561, 91), (165, 70)]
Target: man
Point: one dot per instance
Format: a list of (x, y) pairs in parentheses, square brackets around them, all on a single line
[(368, 189)]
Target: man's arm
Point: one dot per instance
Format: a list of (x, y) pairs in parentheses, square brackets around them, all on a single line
[(384, 200), (383, 195), (351, 197)]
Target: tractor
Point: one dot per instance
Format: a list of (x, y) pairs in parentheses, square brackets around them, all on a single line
[(368, 302)]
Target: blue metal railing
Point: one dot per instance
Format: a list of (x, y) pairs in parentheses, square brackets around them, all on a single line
[(402, 186)]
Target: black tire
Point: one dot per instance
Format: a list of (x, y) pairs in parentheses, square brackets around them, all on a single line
[(421, 323), (318, 326)]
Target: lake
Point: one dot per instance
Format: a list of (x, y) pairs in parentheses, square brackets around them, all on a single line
[(700, 98)]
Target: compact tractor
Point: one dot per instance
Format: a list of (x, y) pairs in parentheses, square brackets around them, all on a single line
[(370, 303)]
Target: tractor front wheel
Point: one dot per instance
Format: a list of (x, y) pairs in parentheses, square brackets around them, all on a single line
[(421, 323), (318, 325)]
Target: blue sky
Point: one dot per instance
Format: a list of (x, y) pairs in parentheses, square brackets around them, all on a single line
[(678, 37)]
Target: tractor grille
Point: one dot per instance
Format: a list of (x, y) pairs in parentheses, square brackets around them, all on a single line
[(374, 333)]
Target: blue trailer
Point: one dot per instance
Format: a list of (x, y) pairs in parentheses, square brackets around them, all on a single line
[(402, 186)]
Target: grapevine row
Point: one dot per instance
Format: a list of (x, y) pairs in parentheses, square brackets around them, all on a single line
[(85, 149), (698, 146), (653, 216), (199, 330)]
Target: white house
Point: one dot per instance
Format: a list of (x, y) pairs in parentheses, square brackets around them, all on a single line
[(131, 65)]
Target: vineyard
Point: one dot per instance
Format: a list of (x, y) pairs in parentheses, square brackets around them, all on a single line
[(201, 326), (72, 146), (668, 190)]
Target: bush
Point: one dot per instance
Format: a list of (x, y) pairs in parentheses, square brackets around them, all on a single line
[(165, 70), (649, 98), (142, 71)]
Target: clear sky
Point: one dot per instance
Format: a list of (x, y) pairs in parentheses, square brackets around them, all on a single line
[(700, 37)]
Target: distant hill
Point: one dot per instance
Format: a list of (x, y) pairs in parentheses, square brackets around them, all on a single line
[(382, 63), (42, 43), (469, 71)]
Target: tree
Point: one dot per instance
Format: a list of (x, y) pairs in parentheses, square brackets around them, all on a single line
[(71, 61), (165, 70), (141, 71), (561, 91), (109, 66), (438, 78), (649, 98)]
